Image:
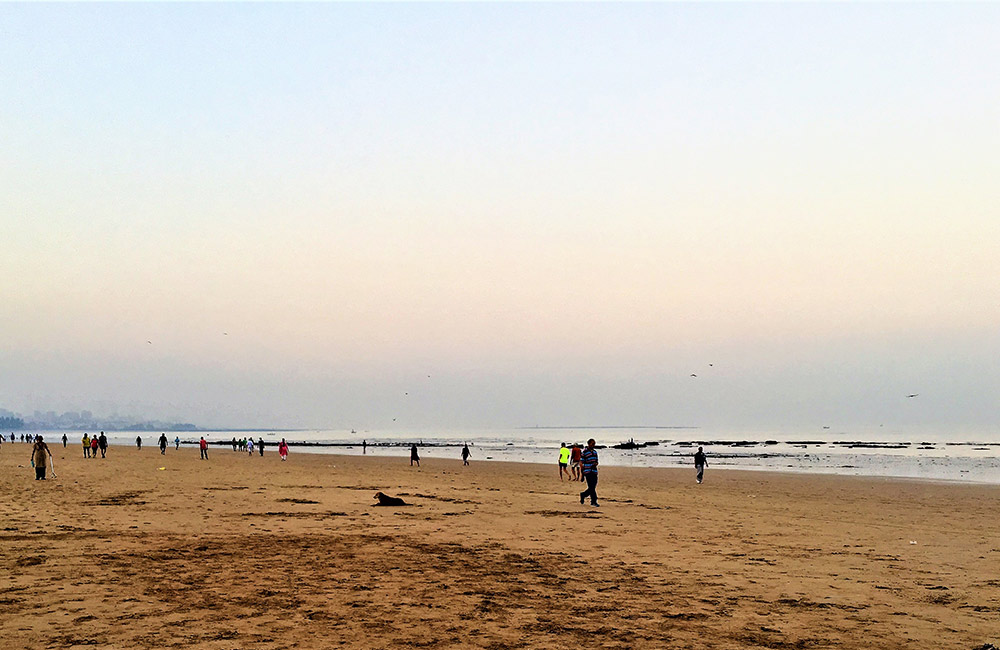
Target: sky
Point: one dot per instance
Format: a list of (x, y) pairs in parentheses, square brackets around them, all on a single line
[(390, 216)]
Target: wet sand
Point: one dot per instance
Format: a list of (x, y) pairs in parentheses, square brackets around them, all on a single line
[(239, 552)]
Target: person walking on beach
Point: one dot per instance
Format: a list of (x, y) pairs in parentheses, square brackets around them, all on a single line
[(138, 442), (40, 456), (564, 462), (364, 446), (700, 462), (177, 443), (465, 454), (102, 443), (250, 446), (260, 446), (414, 456), (203, 445), (65, 440), (163, 444), (283, 449), (86, 446), (95, 442), (574, 461), (588, 459), (234, 443)]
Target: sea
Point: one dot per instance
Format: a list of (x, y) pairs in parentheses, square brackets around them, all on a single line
[(969, 455)]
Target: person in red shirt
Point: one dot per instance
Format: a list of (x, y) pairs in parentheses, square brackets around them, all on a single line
[(574, 461), (203, 444), (93, 447)]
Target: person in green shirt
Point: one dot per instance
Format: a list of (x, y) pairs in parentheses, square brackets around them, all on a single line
[(564, 462)]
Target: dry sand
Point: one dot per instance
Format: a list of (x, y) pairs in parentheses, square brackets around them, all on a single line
[(240, 552)]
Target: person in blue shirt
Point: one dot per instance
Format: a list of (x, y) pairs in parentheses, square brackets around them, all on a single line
[(588, 461)]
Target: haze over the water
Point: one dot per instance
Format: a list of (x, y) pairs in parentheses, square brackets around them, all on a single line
[(391, 216)]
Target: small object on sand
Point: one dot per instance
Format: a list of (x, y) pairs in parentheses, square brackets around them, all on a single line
[(386, 500), (161, 468), (913, 541)]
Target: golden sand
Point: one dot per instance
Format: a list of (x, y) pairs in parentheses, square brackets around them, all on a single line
[(249, 552)]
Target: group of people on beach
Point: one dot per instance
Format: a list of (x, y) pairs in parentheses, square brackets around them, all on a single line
[(415, 455), (248, 445), (578, 464), (93, 444), (30, 439)]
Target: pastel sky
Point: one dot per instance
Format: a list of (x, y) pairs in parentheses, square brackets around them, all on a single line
[(475, 215)]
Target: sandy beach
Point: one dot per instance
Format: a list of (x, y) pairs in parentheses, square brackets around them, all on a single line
[(141, 550)]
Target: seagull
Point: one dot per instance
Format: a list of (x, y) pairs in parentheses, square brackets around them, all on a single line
[(693, 375), (710, 365), (225, 333), (913, 395), (150, 342)]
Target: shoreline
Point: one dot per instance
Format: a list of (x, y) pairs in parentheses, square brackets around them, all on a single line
[(317, 449)]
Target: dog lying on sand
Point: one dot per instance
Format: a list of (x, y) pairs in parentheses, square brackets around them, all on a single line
[(386, 500)]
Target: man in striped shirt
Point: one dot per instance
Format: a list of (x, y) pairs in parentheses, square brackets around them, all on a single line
[(588, 459)]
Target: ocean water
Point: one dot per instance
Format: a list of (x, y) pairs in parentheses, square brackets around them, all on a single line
[(971, 455)]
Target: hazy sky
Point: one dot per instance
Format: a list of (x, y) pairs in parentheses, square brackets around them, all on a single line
[(518, 214)]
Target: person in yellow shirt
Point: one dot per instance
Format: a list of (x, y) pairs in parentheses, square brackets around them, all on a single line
[(86, 446), (564, 462)]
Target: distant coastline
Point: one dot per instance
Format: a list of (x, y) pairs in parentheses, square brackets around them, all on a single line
[(86, 421)]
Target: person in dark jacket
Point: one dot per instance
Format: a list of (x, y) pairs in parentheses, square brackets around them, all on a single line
[(700, 463)]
